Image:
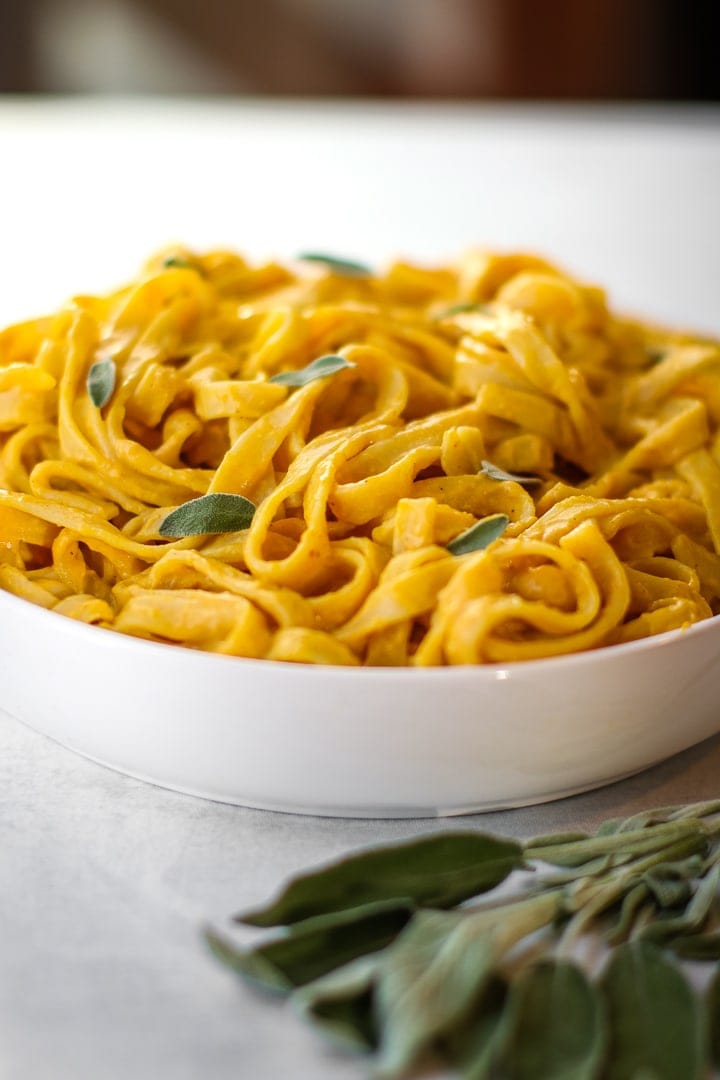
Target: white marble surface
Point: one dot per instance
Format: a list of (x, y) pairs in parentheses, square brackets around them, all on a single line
[(105, 882)]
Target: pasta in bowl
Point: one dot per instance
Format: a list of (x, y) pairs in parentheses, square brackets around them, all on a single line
[(312, 464), (426, 467)]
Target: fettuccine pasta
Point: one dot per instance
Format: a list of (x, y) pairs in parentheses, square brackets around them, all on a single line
[(367, 426)]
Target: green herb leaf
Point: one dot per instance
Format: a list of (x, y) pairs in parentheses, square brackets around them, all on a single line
[(655, 1022), (214, 513), (101, 382), (551, 839), (438, 968), (177, 262), (671, 836), (321, 368), (693, 810), (659, 815), (488, 469), (378, 973), (430, 980), (314, 947), (632, 904), (643, 820), (462, 309), (236, 958), (681, 869), (553, 1026), (340, 1004), (693, 918), (701, 947), (479, 535), (344, 267), (713, 1013), (610, 827), (472, 1048), (667, 890), (431, 871)]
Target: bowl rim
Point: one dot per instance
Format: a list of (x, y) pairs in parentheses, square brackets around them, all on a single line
[(490, 672)]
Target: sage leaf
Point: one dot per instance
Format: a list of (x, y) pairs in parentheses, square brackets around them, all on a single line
[(315, 946), (243, 962), (678, 838), (488, 469), (551, 839), (479, 535), (472, 1048), (321, 368), (464, 308), (430, 980), (694, 916), (438, 968), (655, 1022), (613, 826), (713, 1016), (701, 947), (177, 262), (668, 891), (553, 1026), (681, 869), (344, 267), (609, 827), (439, 870), (659, 815), (214, 513), (101, 382), (694, 810), (632, 904), (340, 1004)]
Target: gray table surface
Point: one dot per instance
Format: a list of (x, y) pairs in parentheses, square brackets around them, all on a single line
[(106, 883)]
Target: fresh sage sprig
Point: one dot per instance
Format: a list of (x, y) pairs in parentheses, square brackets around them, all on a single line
[(488, 469), (321, 368), (343, 267), (377, 954), (101, 382), (214, 513), (479, 535)]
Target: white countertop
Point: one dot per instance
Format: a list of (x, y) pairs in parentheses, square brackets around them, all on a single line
[(106, 881), (624, 197)]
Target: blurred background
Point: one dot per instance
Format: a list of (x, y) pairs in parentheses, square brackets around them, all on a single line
[(214, 123), (456, 49)]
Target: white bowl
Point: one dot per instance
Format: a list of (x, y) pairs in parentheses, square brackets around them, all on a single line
[(358, 742)]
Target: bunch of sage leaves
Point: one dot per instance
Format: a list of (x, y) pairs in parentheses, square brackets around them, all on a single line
[(389, 952)]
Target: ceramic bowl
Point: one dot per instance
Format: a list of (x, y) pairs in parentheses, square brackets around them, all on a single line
[(351, 742)]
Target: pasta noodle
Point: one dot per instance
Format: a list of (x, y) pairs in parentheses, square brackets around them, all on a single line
[(363, 424)]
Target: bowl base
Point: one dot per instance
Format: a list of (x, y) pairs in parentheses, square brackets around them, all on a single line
[(361, 812)]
